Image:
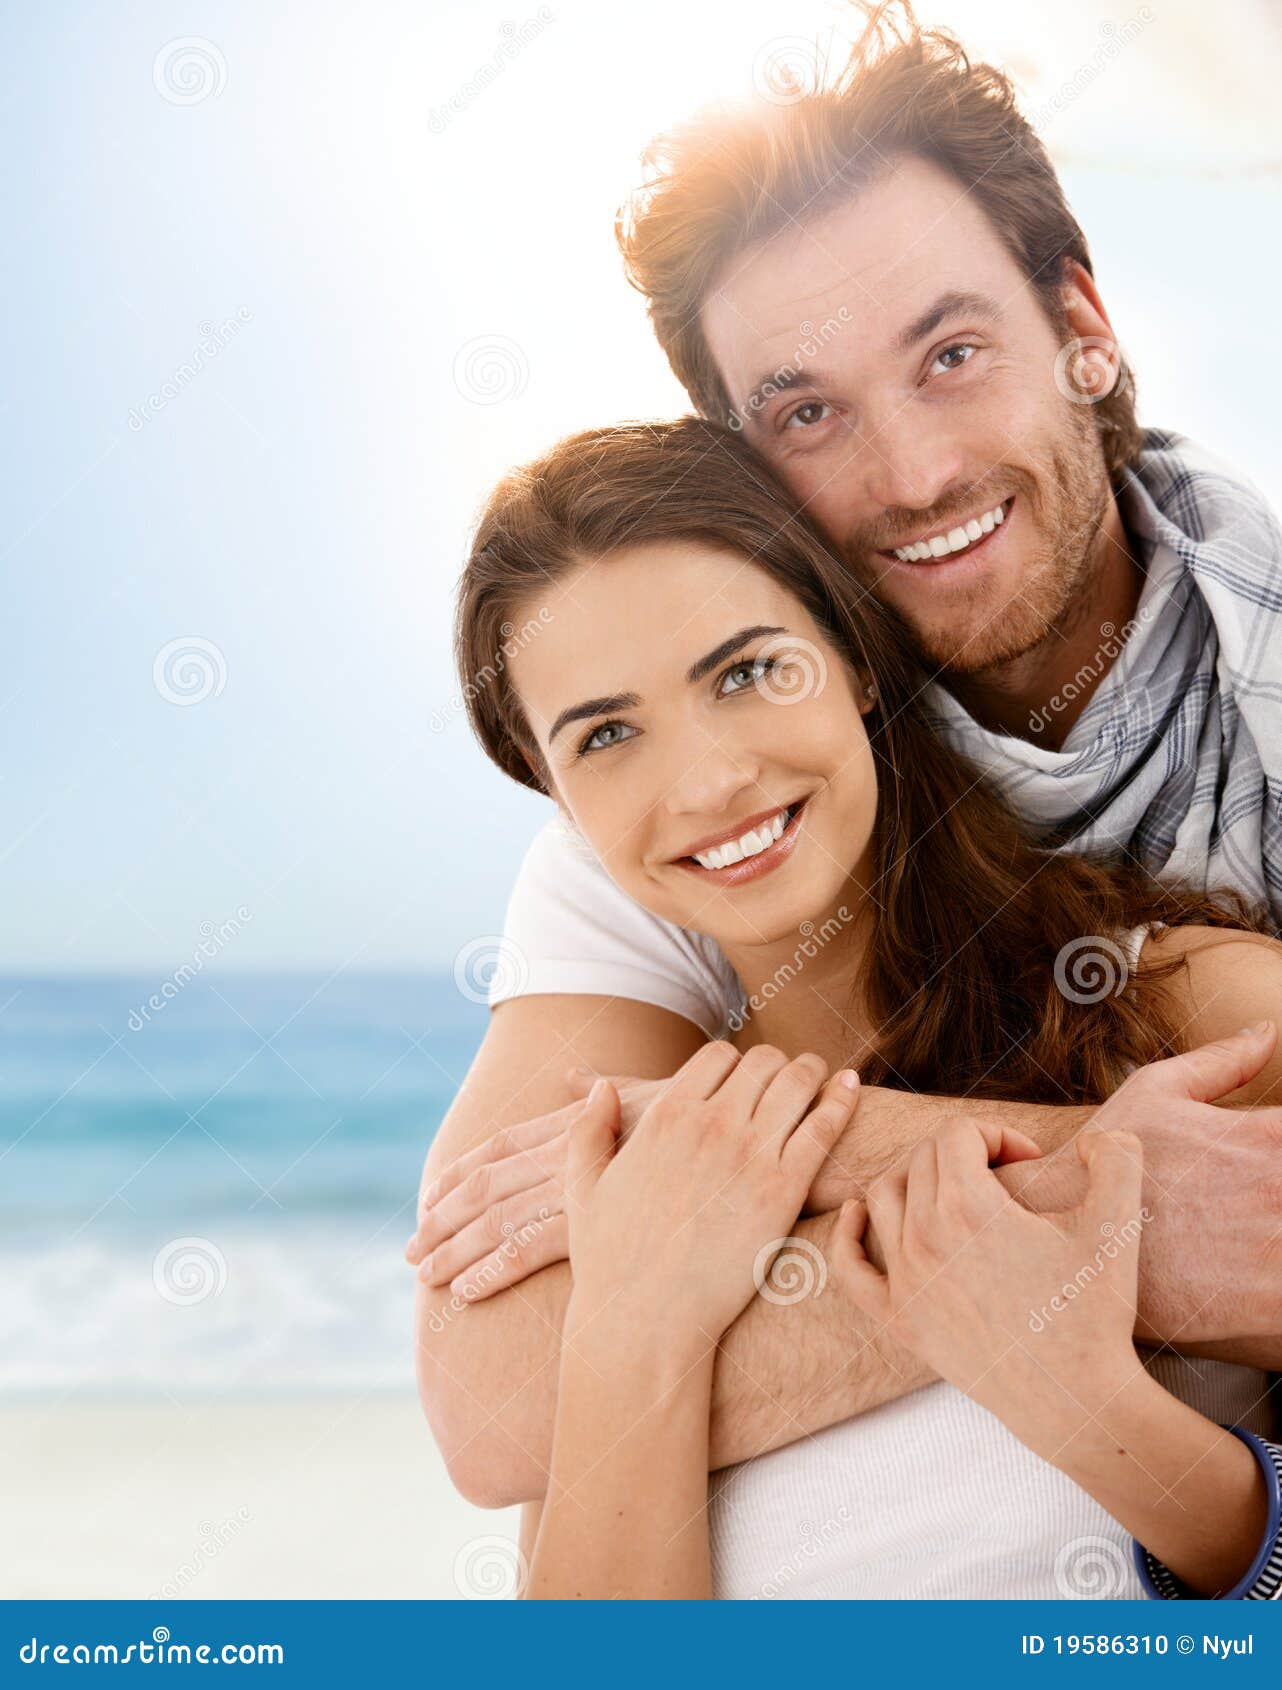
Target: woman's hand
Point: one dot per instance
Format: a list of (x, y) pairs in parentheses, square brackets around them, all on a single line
[(1030, 1315), (672, 1229)]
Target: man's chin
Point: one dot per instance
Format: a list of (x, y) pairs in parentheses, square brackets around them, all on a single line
[(979, 639)]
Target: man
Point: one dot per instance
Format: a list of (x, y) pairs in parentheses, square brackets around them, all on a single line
[(883, 286)]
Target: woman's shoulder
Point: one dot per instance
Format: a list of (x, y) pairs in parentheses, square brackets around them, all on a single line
[(1220, 980)]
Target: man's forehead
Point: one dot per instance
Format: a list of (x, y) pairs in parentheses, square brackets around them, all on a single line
[(870, 265)]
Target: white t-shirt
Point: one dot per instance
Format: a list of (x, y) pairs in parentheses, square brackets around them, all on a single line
[(571, 929)]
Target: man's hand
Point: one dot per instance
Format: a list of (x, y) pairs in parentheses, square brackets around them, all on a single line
[(497, 1214), (1212, 1260), (1211, 1266)]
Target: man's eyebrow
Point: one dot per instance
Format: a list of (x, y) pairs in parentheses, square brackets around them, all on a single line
[(776, 383), (953, 304), (593, 707), (727, 648)]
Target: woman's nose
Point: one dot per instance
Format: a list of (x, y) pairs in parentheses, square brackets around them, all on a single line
[(711, 782)]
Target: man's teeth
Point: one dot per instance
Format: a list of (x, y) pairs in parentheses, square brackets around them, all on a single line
[(749, 844), (956, 539)]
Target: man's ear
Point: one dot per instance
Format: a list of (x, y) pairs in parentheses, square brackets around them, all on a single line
[(1083, 307)]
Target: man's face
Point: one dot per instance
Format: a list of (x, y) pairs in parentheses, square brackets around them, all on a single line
[(923, 401)]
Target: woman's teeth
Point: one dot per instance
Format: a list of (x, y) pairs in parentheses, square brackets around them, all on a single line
[(750, 844), (955, 540)]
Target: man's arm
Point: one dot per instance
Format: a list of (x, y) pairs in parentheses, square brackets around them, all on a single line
[(488, 1371)]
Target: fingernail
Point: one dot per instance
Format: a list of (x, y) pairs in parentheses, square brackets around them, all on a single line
[(425, 1269), (1256, 1029), (849, 1078), (580, 1068), (597, 1092)]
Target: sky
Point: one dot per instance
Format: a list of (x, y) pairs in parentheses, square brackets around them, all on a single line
[(288, 288)]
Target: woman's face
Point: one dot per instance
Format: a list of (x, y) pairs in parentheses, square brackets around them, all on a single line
[(704, 737)]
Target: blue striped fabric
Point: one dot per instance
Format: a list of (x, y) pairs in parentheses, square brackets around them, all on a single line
[(1262, 1581), (1177, 759)]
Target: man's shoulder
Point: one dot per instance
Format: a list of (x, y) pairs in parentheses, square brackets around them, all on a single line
[(1200, 493)]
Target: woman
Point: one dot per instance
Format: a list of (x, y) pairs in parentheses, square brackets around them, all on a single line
[(743, 747)]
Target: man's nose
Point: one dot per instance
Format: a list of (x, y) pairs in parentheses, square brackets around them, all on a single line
[(909, 465)]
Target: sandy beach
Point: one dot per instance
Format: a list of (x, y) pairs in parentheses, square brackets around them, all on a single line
[(313, 1497)]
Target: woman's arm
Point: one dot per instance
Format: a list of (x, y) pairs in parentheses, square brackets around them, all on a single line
[(667, 1236), (626, 1510), (1032, 1316), (1195, 1496)]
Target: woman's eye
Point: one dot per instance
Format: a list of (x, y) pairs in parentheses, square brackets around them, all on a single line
[(807, 415), (608, 734), (746, 674), (953, 357)]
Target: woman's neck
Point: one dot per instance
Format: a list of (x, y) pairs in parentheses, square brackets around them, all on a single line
[(804, 990)]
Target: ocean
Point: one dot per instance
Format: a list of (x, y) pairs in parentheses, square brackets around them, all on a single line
[(213, 1196)]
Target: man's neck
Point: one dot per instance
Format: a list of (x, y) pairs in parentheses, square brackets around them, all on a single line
[(1039, 695)]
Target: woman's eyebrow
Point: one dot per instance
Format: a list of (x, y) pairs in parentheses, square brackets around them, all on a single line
[(727, 648), (593, 707)]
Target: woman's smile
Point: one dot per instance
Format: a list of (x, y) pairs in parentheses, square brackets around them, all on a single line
[(748, 850)]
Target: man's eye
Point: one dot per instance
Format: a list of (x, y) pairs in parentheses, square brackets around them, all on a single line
[(746, 674), (953, 357), (807, 415), (608, 734)]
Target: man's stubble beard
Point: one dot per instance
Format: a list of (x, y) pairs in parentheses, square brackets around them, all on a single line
[(1069, 496)]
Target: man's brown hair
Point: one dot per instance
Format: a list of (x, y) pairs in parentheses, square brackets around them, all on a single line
[(722, 184)]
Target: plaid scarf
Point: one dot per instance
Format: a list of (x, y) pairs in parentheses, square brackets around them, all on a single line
[(1177, 759)]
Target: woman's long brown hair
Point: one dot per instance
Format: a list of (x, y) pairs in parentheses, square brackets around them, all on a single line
[(979, 969)]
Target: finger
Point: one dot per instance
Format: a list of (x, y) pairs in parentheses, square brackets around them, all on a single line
[(922, 1195), (488, 1185), (490, 1231), (747, 1083), (793, 1087), (1115, 1177), (968, 1145), (886, 1199), (1213, 1070), (703, 1073), (591, 1144), (806, 1148), (524, 1135), (868, 1289), (511, 1263), (581, 1081)]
